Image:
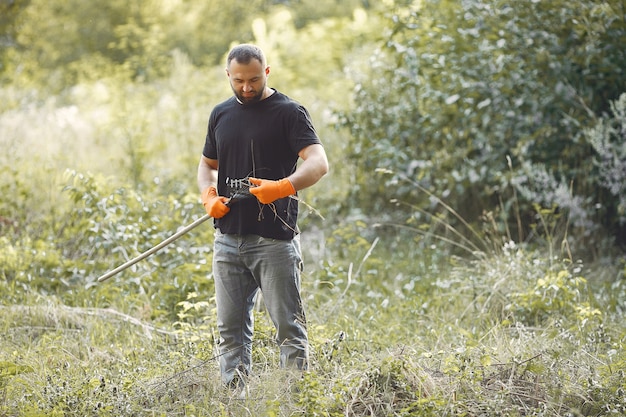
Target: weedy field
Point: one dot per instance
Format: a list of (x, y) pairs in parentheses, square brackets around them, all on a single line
[(416, 318), (398, 327)]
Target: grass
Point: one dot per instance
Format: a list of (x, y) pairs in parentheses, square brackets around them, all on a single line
[(399, 325), (472, 340)]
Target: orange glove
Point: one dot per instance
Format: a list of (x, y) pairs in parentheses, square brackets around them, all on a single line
[(268, 191), (214, 204)]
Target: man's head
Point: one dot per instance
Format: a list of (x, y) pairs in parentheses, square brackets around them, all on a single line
[(247, 72)]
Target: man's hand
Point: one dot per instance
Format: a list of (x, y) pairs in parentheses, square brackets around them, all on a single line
[(214, 204), (268, 191)]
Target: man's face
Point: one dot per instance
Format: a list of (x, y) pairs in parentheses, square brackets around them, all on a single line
[(248, 81)]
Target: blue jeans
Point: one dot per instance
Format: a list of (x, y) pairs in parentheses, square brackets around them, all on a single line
[(243, 265)]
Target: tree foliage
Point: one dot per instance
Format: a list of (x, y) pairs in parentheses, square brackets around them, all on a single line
[(473, 98), (61, 43)]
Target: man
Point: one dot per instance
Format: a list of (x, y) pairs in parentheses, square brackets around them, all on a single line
[(248, 176)]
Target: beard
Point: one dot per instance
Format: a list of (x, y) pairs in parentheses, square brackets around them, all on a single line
[(249, 97)]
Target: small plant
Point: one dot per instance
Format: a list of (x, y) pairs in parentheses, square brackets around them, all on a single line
[(558, 294)]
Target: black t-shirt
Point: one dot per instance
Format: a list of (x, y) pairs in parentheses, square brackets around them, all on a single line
[(260, 140)]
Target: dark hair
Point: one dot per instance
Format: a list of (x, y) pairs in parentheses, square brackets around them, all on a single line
[(244, 53)]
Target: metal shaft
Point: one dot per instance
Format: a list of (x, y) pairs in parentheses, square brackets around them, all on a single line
[(155, 249)]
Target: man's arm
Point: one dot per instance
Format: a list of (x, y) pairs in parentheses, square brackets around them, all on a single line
[(313, 167), (214, 205), (207, 173)]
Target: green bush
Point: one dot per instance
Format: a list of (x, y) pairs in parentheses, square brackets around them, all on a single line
[(474, 101), (103, 229)]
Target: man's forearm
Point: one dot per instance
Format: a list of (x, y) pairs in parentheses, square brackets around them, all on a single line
[(311, 170), (207, 176)]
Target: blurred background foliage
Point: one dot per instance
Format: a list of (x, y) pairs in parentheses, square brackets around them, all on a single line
[(471, 114), (490, 104), (63, 43)]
